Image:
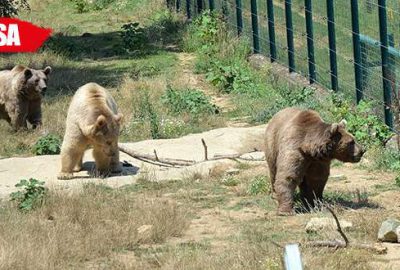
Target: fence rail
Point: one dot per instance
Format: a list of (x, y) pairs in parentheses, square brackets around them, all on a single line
[(347, 46)]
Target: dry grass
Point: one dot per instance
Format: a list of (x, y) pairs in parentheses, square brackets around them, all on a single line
[(71, 230)]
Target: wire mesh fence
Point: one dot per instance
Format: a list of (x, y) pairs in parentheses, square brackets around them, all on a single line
[(352, 47)]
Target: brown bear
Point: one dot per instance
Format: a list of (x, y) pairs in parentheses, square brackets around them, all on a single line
[(299, 147), (21, 93), (92, 120)]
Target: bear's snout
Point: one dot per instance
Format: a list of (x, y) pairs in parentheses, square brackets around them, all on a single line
[(358, 154)]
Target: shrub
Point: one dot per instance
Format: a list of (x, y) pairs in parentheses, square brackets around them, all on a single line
[(362, 122), (31, 196), (133, 37), (83, 6), (47, 145), (190, 101)]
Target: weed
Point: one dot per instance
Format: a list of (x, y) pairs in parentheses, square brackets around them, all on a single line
[(259, 184), (47, 145), (32, 195), (190, 101), (397, 180), (230, 181), (83, 6)]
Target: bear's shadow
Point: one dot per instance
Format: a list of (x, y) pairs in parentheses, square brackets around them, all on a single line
[(127, 169)]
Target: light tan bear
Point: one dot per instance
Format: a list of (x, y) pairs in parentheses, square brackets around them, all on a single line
[(299, 148), (93, 120), (21, 93)]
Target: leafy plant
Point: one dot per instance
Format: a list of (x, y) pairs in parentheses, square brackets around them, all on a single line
[(190, 101), (133, 37), (31, 196), (230, 181), (146, 112), (47, 145), (259, 185), (362, 122)]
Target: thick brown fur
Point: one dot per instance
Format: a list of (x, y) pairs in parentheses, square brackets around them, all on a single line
[(299, 147), (21, 93), (92, 120)]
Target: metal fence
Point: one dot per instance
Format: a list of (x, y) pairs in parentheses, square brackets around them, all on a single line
[(349, 46)]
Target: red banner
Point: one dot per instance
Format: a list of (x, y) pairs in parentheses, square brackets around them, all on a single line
[(21, 36)]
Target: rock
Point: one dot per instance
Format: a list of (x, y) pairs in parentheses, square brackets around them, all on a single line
[(319, 224), (232, 171), (398, 234), (144, 232), (393, 143), (258, 61), (387, 231), (258, 156)]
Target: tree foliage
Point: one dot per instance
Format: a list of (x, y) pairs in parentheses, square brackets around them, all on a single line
[(10, 8)]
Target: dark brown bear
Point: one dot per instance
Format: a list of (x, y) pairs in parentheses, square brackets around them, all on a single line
[(299, 148), (21, 93)]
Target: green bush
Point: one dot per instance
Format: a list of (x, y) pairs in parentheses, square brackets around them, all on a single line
[(133, 38), (83, 6), (47, 145), (10, 8), (362, 122), (31, 196), (190, 101)]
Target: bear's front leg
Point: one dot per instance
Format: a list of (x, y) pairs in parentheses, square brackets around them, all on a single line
[(70, 158), (35, 113), (103, 162), (312, 187), (115, 165)]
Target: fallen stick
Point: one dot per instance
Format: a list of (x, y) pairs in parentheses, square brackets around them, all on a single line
[(339, 228), (179, 162), (376, 248)]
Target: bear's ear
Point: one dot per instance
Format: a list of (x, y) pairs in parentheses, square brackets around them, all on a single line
[(47, 70), (28, 73), (118, 118), (343, 123), (100, 123)]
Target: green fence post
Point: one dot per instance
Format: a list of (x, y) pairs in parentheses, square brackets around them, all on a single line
[(289, 34), (387, 88), (364, 65), (211, 4), (239, 17), (188, 11), (199, 6), (271, 30), (356, 49), (254, 25), (332, 44), (310, 41)]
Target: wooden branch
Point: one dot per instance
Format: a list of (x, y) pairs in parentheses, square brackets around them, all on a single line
[(376, 248), (155, 154), (172, 162), (339, 228), (205, 149)]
